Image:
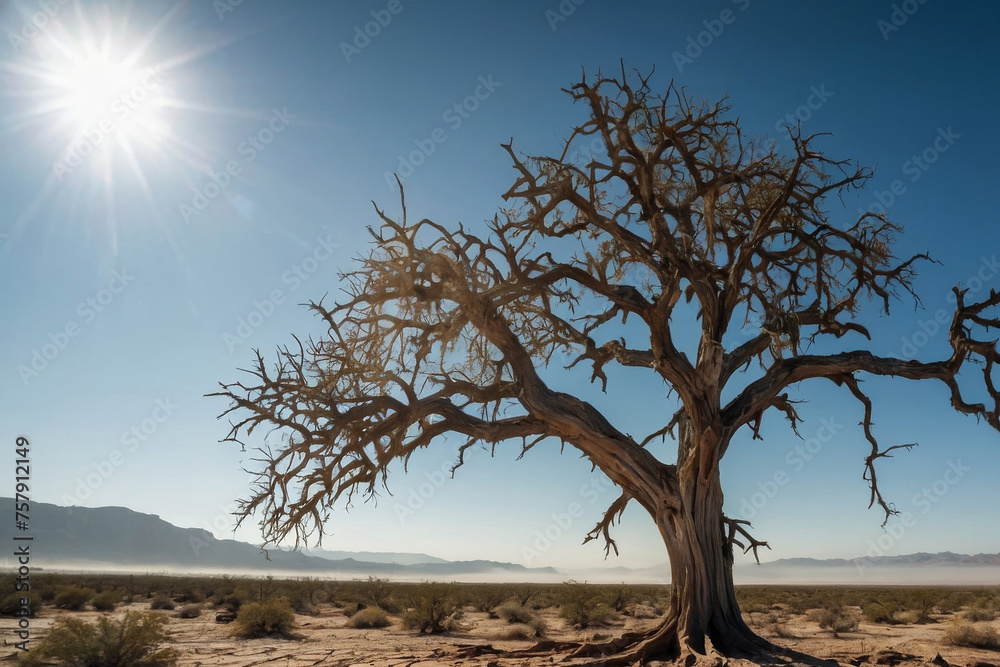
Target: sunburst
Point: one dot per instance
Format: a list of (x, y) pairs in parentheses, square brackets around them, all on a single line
[(103, 99)]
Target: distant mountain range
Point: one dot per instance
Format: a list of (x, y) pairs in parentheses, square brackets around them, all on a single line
[(106, 538), (375, 556), (117, 538), (944, 558)]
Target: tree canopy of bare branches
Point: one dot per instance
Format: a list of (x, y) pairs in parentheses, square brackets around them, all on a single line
[(448, 330)]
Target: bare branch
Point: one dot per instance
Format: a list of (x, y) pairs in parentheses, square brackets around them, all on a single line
[(734, 527), (603, 527)]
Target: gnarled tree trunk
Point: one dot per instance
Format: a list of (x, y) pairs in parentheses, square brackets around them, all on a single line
[(704, 619)]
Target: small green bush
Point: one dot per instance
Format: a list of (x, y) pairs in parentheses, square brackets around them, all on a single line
[(582, 605), (73, 597), (431, 608), (975, 636), (838, 620), (976, 614), (162, 602), (233, 601), (881, 612), (515, 613), (265, 619), (191, 595), (106, 601), (303, 604), (489, 597), (11, 605), (134, 641), (912, 616), (621, 597), (372, 617), (376, 592)]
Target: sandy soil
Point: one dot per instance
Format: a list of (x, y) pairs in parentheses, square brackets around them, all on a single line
[(326, 640)]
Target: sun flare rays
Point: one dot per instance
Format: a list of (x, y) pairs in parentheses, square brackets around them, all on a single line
[(115, 109)]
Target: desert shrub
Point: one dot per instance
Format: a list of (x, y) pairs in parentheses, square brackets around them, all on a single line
[(515, 613), (524, 593), (73, 597), (189, 611), (539, 627), (106, 601), (265, 619), (134, 641), (582, 605), (431, 608), (951, 601), (378, 593), (912, 616), (191, 595), (237, 598), (837, 620), (881, 612), (977, 614), (975, 636), (162, 602), (303, 604), (621, 597), (488, 598), (372, 617), (781, 630), (11, 605)]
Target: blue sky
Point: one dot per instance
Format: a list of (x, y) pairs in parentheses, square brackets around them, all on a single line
[(234, 181)]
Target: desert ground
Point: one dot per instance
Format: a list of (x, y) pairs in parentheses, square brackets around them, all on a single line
[(488, 625)]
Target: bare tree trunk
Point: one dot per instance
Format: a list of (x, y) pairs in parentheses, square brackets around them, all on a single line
[(703, 607), (704, 620)]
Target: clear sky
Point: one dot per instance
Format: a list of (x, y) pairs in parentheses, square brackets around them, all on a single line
[(131, 283)]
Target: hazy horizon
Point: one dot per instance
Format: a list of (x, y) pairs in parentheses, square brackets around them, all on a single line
[(861, 570)]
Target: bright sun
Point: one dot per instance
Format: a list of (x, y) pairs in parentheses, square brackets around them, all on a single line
[(98, 95), (110, 100), (97, 91)]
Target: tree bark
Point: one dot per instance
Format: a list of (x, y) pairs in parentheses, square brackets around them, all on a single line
[(703, 606), (704, 623)]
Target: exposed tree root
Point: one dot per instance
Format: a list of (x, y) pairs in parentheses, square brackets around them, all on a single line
[(661, 643), (657, 646)]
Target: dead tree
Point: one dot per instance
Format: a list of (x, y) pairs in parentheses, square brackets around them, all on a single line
[(445, 330)]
